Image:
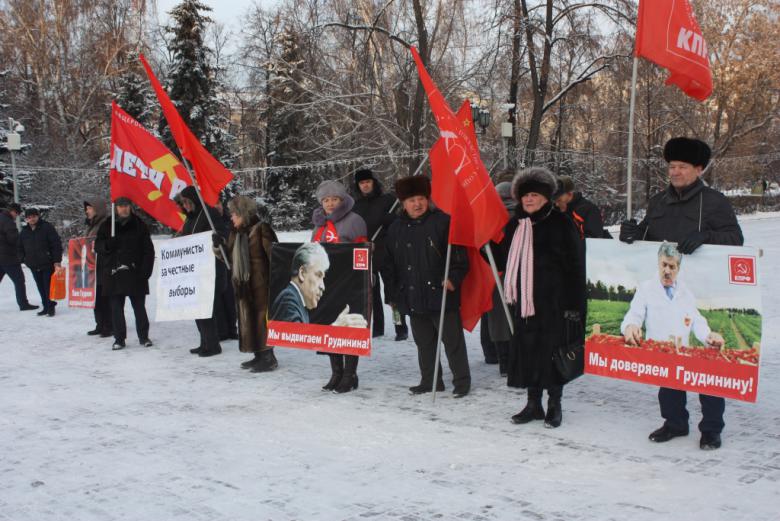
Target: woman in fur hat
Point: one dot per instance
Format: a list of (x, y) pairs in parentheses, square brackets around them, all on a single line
[(249, 248), (545, 281), (334, 221)]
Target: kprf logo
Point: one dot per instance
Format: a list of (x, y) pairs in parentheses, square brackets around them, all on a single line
[(742, 270), (360, 259)]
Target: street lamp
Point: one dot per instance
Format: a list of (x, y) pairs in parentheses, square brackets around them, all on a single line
[(14, 144), (480, 117)]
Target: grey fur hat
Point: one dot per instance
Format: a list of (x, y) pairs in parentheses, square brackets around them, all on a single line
[(534, 179), (331, 189)]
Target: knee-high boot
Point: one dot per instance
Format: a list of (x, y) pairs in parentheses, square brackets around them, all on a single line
[(337, 370), (349, 379)]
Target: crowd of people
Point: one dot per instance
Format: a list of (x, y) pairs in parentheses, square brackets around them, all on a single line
[(541, 259)]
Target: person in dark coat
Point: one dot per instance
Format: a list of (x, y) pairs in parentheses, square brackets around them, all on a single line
[(374, 206), (226, 310), (96, 213), (691, 214), (9, 255), (128, 261), (416, 249), (545, 245), (585, 214), (40, 249), (249, 247), (198, 222)]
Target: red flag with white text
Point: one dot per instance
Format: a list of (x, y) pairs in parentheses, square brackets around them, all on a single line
[(211, 175), (144, 170), (668, 35)]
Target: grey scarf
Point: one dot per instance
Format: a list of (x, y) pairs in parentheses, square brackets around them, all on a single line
[(241, 266)]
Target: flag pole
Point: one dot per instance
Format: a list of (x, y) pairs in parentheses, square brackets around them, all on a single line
[(500, 287), (113, 219), (441, 320), (632, 104), (392, 208), (203, 206)]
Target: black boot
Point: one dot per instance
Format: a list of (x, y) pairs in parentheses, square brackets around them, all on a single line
[(267, 362), (554, 415), (401, 332), (503, 357), (249, 363), (349, 380), (533, 410), (336, 370)]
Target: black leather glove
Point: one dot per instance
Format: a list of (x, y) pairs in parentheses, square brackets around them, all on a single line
[(629, 231), (693, 241), (217, 240)]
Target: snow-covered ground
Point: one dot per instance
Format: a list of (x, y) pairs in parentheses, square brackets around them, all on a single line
[(159, 434)]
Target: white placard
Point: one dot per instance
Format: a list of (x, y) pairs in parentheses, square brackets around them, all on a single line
[(185, 273)]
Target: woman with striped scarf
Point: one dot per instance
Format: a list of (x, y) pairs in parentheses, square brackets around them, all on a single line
[(545, 284)]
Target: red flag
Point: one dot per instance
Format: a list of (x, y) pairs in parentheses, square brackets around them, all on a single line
[(144, 170), (211, 175), (461, 185), (668, 35)]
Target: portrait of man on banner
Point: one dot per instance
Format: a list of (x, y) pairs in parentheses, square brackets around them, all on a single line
[(319, 284), (685, 322)]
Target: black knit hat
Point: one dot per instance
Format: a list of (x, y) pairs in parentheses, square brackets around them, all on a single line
[(687, 150), (407, 187), (31, 211), (15, 207), (122, 201), (364, 174)]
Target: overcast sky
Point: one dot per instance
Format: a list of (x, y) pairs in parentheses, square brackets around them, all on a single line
[(227, 12)]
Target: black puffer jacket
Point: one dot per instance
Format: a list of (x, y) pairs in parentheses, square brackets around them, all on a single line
[(413, 271), (128, 258), (40, 248), (672, 216), (374, 208), (9, 239), (587, 217)]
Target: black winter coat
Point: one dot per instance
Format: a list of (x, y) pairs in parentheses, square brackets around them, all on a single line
[(672, 216), (40, 248), (131, 247), (587, 217), (374, 208), (197, 222), (413, 271), (9, 240), (559, 286)]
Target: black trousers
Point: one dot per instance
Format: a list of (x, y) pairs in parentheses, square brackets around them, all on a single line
[(227, 318), (377, 311), (103, 313), (43, 281), (489, 348), (118, 316), (14, 272), (425, 328), (675, 413), (207, 327)]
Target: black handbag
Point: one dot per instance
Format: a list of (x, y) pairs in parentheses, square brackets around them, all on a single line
[(569, 358)]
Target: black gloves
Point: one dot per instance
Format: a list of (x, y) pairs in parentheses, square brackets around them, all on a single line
[(217, 240), (693, 241), (572, 315), (629, 231)]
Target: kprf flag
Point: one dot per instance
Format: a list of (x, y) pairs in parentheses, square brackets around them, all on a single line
[(668, 35), (464, 190), (461, 187), (144, 170), (211, 175)]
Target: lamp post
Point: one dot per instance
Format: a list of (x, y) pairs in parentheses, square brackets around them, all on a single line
[(14, 143)]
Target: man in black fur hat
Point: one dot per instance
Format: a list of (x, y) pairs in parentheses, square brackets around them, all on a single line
[(413, 271), (373, 205), (690, 214)]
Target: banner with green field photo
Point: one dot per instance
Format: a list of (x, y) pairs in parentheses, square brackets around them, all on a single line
[(688, 322)]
